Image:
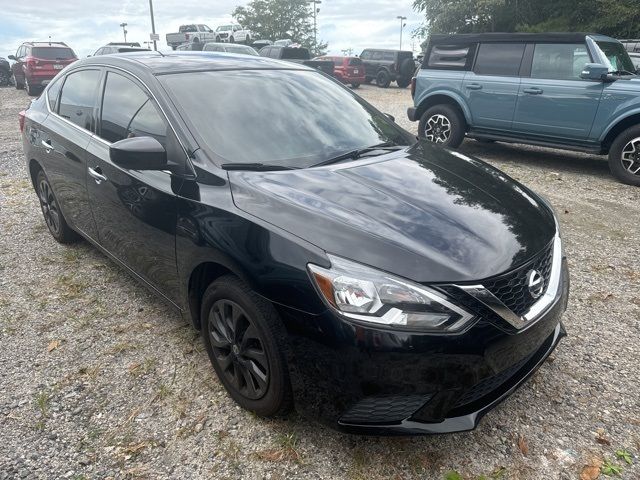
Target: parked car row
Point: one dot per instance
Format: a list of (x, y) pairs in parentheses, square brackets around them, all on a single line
[(568, 90), (201, 33)]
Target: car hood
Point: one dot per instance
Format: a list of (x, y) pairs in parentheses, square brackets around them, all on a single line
[(424, 213)]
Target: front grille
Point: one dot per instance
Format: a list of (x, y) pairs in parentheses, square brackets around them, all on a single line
[(512, 289), (384, 409)]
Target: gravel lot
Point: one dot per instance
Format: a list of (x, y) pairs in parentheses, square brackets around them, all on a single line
[(99, 379)]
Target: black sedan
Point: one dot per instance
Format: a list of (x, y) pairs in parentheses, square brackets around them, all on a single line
[(380, 284)]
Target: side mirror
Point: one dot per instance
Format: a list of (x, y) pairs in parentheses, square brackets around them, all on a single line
[(594, 71), (139, 153), (12, 57), (390, 117)]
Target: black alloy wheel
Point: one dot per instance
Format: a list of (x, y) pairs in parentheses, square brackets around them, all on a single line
[(246, 343), (49, 206), (238, 349)]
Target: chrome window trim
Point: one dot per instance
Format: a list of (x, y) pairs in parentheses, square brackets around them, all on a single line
[(546, 301), (96, 136)]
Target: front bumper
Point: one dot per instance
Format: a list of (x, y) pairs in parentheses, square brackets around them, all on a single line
[(372, 381)]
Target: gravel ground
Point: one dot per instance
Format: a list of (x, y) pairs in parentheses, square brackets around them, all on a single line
[(99, 379)]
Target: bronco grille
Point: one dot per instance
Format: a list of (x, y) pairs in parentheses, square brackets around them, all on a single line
[(512, 289)]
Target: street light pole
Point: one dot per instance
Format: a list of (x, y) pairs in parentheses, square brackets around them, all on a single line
[(402, 19), (124, 30), (315, 23), (153, 24)]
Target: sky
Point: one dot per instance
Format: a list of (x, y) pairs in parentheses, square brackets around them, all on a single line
[(87, 25)]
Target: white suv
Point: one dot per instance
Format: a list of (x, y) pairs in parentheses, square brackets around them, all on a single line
[(233, 34)]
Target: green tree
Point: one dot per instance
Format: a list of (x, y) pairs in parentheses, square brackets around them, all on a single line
[(280, 19), (617, 18)]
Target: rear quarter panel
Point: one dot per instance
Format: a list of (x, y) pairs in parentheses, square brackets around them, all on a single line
[(441, 82)]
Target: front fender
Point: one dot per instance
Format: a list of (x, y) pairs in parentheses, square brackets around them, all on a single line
[(617, 119)]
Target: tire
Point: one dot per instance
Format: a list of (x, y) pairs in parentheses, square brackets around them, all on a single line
[(5, 78), (217, 38), (403, 82), (31, 90), (173, 47), (231, 40), (19, 85), (407, 67), (383, 79), (247, 40), (266, 343), (624, 156), (438, 119), (355, 85), (53, 217), (195, 40)]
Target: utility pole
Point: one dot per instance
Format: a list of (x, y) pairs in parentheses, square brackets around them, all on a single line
[(402, 25), (124, 30), (316, 10), (153, 25)]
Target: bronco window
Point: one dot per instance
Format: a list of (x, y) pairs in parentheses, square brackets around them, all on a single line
[(562, 61), (450, 57), (499, 59)]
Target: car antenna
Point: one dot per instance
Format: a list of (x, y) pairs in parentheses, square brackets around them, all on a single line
[(49, 40)]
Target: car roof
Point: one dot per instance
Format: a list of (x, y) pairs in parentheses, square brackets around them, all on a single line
[(46, 44), (572, 37), (158, 63)]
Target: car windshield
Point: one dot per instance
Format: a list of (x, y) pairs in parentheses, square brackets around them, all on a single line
[(52, 53), (616, 56), (224, 28), (284, 118), (240, 49)]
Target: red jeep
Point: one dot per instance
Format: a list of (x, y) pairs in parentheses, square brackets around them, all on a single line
[(36, 63), (347, 69)]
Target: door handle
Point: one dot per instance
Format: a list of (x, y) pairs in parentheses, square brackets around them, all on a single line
[(47, 146), (97, 175), (532, 90), (474, 86)]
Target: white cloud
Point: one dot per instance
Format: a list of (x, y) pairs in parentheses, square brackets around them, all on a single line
[(87, 25)]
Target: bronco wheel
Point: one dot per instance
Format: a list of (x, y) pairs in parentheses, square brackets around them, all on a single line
[(51, 211), (403, 82), (245, 342), (624, 156), (443, 125), (355, 85), (383, 79)]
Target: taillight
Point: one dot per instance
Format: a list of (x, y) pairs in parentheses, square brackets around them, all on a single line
[(21, 117), (413, 87)]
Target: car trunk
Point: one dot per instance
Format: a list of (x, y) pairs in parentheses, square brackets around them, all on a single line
[(49, 60)]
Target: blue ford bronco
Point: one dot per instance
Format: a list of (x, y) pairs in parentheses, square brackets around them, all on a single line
[(574, 91)]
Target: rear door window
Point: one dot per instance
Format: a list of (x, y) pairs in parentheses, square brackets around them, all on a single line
[(499, 59), (127, 111), (78, 97), (559, 61)]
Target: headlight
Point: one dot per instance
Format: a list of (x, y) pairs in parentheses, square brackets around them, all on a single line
[(368, 295)]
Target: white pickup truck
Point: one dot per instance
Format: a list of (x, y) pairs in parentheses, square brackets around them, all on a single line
[(190, 33), (233, 33)]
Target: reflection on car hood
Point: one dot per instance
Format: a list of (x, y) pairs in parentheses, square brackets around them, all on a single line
[(425, 213)]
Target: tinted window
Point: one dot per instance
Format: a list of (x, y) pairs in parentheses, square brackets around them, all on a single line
[(617, 57), (127, 111), (296, 53), (376, 56), (53, 53), (365, 55), (78, 97), (389, 56), (453, 57), (52, 93), (187, 28), (240, 49), (281, 129), (559, 61), (354, 62), (213, 48), (499, 59)]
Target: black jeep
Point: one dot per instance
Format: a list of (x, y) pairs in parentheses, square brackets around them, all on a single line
[(386, 66)]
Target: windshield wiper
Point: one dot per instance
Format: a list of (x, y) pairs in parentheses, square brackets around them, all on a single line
[(355, 154), (254, 167)]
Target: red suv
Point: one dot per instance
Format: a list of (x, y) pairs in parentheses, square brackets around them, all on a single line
[(347, 69), (36, 63)]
